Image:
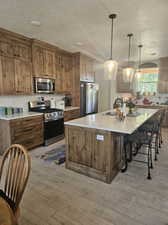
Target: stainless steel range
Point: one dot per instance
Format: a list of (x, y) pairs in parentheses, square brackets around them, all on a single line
[(53, 121)]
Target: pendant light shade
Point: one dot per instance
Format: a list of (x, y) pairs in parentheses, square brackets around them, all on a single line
[(138, 72), (128, 72), (111, 66)]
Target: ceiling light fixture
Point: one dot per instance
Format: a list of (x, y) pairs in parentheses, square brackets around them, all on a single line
[(138, 73), (111, 65), (128, 72)]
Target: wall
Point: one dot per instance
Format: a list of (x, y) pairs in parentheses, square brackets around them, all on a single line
[(22, 101), (104, 88)]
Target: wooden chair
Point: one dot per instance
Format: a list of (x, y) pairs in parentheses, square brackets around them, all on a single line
[(14, 173)]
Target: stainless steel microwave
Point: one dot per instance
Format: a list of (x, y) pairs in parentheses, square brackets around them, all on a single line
[(44, 85)]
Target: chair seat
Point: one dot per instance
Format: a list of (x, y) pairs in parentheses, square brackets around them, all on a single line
[(7, 199)]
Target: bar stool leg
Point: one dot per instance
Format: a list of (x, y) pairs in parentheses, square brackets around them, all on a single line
[(151, 159), (125, 159), (149, 174), (156, 147)]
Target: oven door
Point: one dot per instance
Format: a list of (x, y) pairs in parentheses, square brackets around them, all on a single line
[(53, 129), (43, 85)]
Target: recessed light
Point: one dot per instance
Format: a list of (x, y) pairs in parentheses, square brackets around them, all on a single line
[(35, 23), (79, 44)]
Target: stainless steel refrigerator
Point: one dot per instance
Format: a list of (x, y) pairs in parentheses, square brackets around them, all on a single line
[(88, 98)]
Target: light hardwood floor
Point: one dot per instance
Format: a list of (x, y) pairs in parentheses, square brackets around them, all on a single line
[(57, 196)]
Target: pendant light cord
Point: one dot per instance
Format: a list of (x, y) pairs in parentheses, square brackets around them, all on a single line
[(129, 47), (112, 17), (112, 25), (140, 47)]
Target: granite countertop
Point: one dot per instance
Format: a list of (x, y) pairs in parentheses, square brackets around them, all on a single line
[(111, 123), (69, 108), (19, 115)]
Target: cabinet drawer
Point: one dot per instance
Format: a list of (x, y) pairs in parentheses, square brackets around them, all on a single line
[(72, 114), (28, 121), (27, 131)]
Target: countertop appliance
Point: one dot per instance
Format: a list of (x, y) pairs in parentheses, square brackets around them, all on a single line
[(88, 98), (44, 85), (53, 121), (68, 100)]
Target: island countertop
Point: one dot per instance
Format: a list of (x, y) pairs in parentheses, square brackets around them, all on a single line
[(105, 122)]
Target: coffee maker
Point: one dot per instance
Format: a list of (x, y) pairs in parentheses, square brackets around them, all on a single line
[(68, 100)]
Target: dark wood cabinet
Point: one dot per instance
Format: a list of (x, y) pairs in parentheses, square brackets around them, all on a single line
[(7, 76), (64, 75), (87, 153), (71, 114), (6, 48), (15, 64), (26, 131), (163, 75), (43, 60), (21, 51), (23, 77), (15, 76)]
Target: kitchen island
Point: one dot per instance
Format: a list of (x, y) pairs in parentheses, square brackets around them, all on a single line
[(95, 142)]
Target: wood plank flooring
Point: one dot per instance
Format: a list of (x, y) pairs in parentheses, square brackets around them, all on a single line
[(57, 196)]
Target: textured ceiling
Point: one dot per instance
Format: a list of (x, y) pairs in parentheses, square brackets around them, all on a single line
[(66, 22)]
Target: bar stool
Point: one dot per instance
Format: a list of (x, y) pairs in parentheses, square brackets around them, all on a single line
[(137, 140), (154, 125)]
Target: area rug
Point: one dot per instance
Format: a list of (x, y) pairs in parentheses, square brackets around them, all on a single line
[(56, 155)]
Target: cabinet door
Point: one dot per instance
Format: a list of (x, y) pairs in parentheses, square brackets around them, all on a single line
[(122, 87), (7, 77), (38, 61), (23, 77), (87, 68), (49, 63), (58, 76), (80, 146), (64, 76), (22, 51), (163, 75), (6, 48)]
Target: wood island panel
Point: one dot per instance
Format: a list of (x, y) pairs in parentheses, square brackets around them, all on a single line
[(100, 159)]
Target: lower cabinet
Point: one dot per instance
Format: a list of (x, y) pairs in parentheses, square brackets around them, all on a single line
[(92, 152), (25, 131), (71, 114)]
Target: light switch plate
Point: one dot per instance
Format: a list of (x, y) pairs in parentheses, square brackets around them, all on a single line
[(100, 137)]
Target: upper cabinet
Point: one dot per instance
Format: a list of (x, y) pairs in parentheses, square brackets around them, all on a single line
[(15, 64), (43, 59), (64, 75), (23, 77), (122, 87), (21, 51), (7, 76), (6, 48), (87, 72), (163, 75)]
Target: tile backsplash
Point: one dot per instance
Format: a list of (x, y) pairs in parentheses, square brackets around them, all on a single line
[(158, 98), (22, 101)]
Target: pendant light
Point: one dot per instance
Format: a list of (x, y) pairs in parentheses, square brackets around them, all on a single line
[(138, 73), (128, 72), (111, 65)]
